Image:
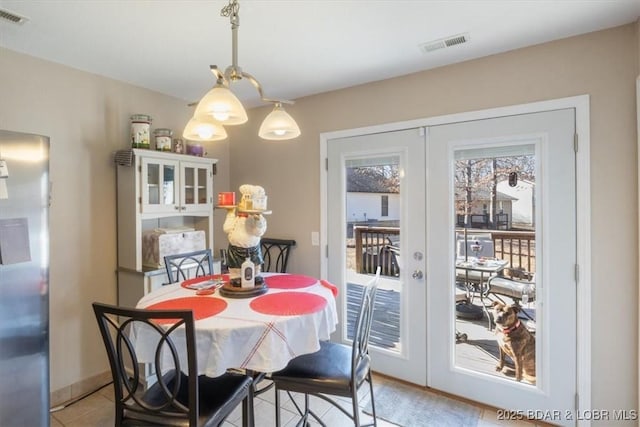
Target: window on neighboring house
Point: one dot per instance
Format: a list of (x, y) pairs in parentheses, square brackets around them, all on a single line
[(385, 206)]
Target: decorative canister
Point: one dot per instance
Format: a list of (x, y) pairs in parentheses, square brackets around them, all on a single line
[(195, 150), (178, 146), (140, 124), (163, 139)]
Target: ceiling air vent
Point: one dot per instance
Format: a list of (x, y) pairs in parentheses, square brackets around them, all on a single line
[(5, 15), (446, 42)]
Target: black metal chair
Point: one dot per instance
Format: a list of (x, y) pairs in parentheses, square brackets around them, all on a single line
[(334, 370), (179, 397), (276, 254), (177, 264)]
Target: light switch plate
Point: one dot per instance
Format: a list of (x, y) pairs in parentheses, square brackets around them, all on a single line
[(315, 238)]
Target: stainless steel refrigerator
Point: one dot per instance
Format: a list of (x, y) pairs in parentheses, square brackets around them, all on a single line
[(24, 279)]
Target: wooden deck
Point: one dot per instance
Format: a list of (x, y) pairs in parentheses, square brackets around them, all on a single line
[(385, 329), (478, 353)]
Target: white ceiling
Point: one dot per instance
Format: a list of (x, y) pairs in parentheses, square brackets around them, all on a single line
[(293, 47)]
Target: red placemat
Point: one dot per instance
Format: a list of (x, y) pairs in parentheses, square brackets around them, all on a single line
[(288, 303), (290, 281), (188, 282), (202, 307)]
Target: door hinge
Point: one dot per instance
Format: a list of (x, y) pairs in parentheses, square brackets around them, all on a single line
[(577, 272), (326, 163), (215, 169), (140, 200), (326, 251), (140, 168), (576, 403), (575, 142)]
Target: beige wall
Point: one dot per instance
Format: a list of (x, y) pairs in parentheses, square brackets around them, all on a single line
[(603, 65), (87, 118)]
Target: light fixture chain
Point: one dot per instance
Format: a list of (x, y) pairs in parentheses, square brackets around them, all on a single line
[(231, 9)]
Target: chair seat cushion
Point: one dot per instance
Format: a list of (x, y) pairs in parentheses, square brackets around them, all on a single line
[(326, 371), (512, 288), (217, 397)]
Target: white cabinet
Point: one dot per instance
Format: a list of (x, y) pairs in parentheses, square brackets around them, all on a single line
[(160, 185), (196, 182), (170, 185), (157, 190)]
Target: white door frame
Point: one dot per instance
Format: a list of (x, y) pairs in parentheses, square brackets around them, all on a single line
[(583, 208)]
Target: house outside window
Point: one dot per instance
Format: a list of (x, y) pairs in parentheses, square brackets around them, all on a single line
[(385, 206)]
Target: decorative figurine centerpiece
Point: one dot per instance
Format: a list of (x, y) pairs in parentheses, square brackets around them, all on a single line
[(244, 225)]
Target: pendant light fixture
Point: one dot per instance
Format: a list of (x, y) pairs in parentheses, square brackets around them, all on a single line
[(221, 107), (204, 129)]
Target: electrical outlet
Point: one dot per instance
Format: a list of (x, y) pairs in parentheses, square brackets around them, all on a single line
[(315, 238)]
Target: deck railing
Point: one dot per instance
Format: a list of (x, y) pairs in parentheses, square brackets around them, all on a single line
[(518, 247), (377, 246), (380, 246)]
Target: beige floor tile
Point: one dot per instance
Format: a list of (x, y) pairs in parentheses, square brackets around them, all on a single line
[(107, 391), (83, 407), (53, 422), (103, 416)]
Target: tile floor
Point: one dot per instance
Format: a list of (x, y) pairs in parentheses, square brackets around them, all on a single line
[(96, 410)]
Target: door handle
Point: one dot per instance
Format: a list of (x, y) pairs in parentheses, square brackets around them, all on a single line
[(417, 274)]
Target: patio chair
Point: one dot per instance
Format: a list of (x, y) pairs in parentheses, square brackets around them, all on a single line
[(486, 244), (334, 370), (275, 253), (473, 277), (519, 290), (516, 289), (179, 397), (389, 260), (178, 264)]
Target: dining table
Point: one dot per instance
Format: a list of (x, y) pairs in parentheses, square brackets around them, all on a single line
[(475, 272), (256, 331)]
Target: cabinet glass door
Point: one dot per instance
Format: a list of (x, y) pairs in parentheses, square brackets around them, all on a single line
[(159, 185), (196, 191)]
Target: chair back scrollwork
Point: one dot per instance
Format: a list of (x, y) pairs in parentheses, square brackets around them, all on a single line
[(178, 264), (275, 253)]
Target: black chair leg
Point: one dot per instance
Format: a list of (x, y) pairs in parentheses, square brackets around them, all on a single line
[(247, 410), (373, 401), (356, 408)]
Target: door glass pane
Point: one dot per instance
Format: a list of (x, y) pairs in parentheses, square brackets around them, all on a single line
[(168, 188), (189, 185), (202, 186), (495, 244), (373, 239), (153, 183)]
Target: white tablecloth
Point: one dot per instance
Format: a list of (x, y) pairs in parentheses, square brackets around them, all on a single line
[(240, 337)]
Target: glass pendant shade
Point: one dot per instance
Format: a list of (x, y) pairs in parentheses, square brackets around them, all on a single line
[(204, 130), (221, 105), (279, 125)]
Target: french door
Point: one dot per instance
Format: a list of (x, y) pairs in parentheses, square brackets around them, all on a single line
[(536, 235), (376, 195), (404, 199)]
